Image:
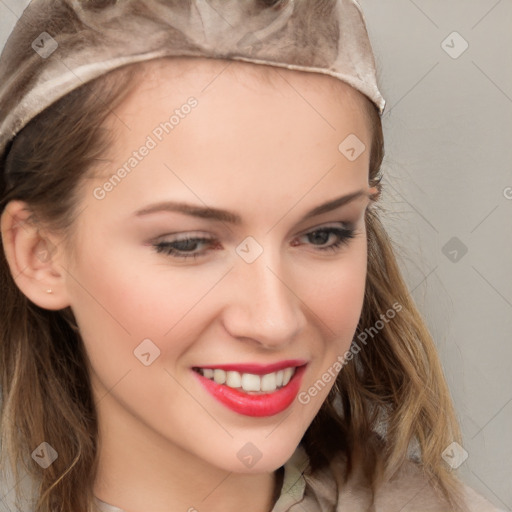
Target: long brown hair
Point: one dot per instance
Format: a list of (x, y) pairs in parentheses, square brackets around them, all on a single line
[(394, 382)]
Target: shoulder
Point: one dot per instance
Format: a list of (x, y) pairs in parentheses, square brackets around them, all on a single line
[(476, 503), (408, 491)]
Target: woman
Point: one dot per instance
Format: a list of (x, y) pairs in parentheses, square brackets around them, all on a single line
[(201, 308)]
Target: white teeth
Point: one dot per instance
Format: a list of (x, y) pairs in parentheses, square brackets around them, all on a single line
[(208, 373), (267, 383), (288, 372), (233, 380), (219, 376), (251, 382)]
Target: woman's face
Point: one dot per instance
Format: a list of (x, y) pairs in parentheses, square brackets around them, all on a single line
[(216, 239)]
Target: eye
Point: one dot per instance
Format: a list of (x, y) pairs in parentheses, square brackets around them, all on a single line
[(183, 248), (323, 239), (337, 237)]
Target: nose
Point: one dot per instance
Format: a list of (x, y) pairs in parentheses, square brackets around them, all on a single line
[(263, 304)]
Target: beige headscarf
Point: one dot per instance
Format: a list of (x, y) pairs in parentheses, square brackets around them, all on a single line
[(58, 45)]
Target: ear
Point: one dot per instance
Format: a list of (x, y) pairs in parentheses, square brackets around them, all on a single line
[(32, 257)]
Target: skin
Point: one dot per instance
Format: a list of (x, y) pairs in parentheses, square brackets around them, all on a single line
[(267, 150)]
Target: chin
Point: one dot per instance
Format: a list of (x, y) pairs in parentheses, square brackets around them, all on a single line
[(262, 453)]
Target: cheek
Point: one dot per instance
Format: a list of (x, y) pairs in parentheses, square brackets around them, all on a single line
[(336, 301), (337, 293), (119, 300)]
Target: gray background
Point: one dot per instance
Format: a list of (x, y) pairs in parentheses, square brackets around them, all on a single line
[(448, 166), (448, 133)]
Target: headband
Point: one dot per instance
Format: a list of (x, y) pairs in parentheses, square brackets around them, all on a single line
[(58, 45)]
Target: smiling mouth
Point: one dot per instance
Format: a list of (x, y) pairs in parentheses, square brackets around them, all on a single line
[(253, 389), (249, 382)]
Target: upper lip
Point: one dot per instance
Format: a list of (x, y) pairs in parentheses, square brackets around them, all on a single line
[(255, 368)]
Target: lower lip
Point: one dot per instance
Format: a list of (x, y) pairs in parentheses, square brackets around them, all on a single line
[(265, 404)]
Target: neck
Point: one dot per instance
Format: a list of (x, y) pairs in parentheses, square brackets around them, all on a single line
[(279, 476)]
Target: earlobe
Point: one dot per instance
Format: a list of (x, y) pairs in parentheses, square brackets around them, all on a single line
[(32, 258)]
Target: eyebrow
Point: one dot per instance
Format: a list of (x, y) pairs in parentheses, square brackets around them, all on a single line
[(233, 218)]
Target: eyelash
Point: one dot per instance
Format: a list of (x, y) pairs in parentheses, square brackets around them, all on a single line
[(344, 236)]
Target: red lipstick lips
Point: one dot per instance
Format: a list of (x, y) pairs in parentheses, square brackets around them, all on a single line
[(260, 404)]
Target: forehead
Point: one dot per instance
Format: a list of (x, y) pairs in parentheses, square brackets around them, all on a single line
[(257, 100), (180, 73), (259, 141)]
